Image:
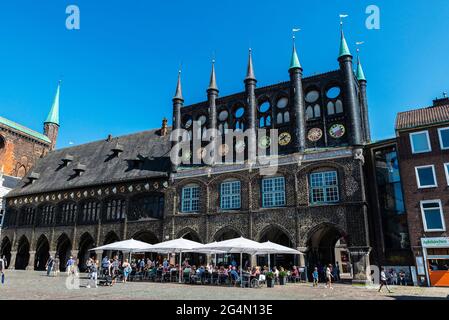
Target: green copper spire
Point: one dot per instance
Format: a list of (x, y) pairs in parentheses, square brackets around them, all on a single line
[(294, 63), (344, 49), (53, 116), (360, 73)]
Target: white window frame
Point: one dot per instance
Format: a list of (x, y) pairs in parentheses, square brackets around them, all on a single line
[(428, 141), (424, 217), (434, 177), (441, 139), (230, 195), (191, 199), (324, 187), (446, 170)]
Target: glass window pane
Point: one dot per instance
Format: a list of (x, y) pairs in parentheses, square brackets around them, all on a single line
[(420, 142), (433, 219), (444, 136), (426, 177)]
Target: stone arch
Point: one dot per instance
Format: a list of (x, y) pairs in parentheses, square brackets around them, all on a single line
[(21, 170), (6, 248), (63, 250), (280, 235), (146, 236), (111, 237), (23, 254), (321, 241), (227, 233), (189, 234), (86, 243), (42, 253)]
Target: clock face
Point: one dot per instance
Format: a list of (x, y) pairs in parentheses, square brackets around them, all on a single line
[(337, 131), (285, 138), (315, 134), (240, 146), (223, 150), (264, 142)]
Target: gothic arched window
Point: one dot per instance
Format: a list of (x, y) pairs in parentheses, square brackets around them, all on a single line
[(47, 215), (147, 207), (115, 209), (90, 212), (67, 213)]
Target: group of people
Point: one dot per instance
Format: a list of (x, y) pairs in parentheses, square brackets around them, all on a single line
[(330, 273), (53, 266)]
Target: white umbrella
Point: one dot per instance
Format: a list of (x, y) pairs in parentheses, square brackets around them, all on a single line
[(274, 248), (126, 245), (175, 246), (237, 245)]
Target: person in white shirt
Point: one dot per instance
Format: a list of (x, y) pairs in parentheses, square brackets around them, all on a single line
[(329, 277), (383, 280)]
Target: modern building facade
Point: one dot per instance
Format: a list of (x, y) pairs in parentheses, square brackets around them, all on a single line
[(313, 197), (423, 149)]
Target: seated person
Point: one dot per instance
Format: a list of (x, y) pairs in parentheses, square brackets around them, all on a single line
[(235, 275)]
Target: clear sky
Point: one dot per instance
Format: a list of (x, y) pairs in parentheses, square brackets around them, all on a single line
[(119, 70)]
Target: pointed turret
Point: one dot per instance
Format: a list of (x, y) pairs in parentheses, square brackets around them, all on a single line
[(53, 115), (344, 49), (294, 63), (51, 124), (360, 73), (350, 98), (213, 80), (297, 93), (250, 71), (212, 94), (178, 93)]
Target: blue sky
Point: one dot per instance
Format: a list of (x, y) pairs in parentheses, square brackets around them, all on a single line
[(119, 70)]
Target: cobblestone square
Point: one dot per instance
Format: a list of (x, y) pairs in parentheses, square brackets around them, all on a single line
[(29, 285)]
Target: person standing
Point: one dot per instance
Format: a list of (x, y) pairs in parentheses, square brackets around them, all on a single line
[(2, 269), (126, 270), (93, 269), (70, 266), (315, 276), (329, 276), (383, 280), (402, 281), (56, 266), (50, 265)]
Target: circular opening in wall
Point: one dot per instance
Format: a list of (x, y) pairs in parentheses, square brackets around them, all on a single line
[(239, 112), (333, 92), (264, 107), (222, 116), (282, 103), (312, 96)]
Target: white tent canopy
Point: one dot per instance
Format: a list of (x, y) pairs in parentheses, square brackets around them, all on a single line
[(174, 246), (274, 248), (125, 246), (237, 245)]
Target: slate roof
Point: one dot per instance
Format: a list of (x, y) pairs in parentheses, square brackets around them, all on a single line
[(422, 117), (18, 127), (101, 167)]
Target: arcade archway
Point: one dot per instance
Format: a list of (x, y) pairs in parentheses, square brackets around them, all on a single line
[(197, 259), (111, 237), (86, 243), (277, 235), (42, 253), (327, 245), (63, 251), (147, 237), (23, 254), (6, 251), (228, 233)]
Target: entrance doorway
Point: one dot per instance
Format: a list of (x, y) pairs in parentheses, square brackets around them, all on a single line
[(23, 254), (276, 235), (86, 243), (327, 245), (42, 253), (6, 251), (63, 251)]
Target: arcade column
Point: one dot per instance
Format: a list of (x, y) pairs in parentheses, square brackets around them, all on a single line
[(30, 265), (12, 263), (360, 265)]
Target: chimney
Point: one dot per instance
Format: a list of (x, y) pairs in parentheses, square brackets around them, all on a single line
[(444, 101), (164, 128)]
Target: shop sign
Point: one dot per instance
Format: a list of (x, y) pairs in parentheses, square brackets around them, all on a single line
[(435, 242)]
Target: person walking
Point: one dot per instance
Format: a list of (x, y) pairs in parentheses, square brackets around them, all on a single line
[(315, 276), (329, 276), (50, 265), (126, 270), (383, 280), (2, 270), (70, 266)]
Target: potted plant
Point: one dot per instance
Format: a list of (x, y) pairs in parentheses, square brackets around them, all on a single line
[(283, 277), (270, 279)]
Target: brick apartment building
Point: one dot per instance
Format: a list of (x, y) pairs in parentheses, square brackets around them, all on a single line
[(423, 150)]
